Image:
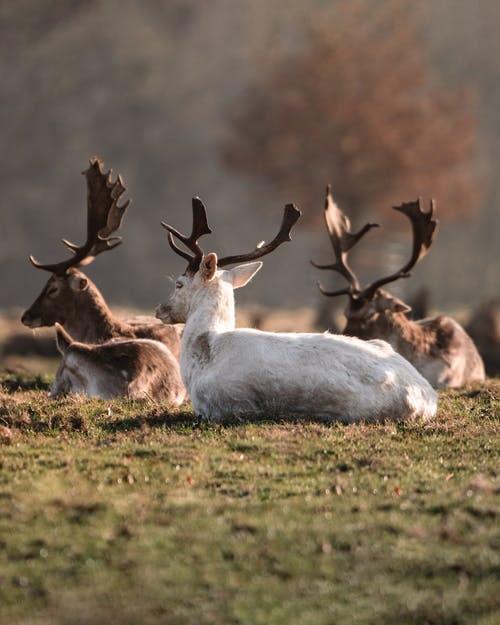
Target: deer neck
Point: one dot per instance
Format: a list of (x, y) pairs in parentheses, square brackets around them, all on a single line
[(212, 309), (404, 335), (90, 320)]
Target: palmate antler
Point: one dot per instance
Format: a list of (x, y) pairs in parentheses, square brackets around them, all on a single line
[(342, 240), (423, 228), (104, 218), (200, 226), (339, 229)]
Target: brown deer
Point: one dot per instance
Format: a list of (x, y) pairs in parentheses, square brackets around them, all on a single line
[(137, 369), (438, 347), (71, 298)]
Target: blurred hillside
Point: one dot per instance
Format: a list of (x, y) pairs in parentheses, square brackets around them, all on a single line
[(150, 87)]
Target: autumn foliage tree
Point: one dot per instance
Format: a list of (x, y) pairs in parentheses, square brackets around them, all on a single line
[(359, 107)]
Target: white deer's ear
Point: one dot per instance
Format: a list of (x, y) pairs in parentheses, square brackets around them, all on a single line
[(208, 266), (63, 339), (242, 274)]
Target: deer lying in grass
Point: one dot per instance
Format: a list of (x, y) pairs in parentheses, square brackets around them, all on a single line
[(71, 298), (137, 369), (232, 372), (438, 347)]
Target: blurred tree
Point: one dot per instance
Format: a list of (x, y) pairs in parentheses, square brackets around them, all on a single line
[(359, 108)]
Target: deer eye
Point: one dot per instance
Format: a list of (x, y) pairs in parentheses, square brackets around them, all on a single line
[(178, 285), (51, 292)]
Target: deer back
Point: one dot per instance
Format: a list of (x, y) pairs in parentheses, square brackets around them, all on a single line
[(168, 334), (438, 347), (137, 368)]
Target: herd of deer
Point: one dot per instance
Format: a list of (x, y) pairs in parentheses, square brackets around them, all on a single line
[(384, 366)]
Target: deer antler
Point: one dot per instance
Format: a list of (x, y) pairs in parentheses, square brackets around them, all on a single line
[(424, 228), (342, 240), (104, 217), (200, 227), (290, 216), (339, 228)]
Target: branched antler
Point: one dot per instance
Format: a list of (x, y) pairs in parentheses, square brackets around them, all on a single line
[(424, 227), (339, 229), (290, 216), (342, 240), (104, 218), (200, 226)]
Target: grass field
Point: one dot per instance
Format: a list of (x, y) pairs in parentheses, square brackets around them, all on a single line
[(121, 512)]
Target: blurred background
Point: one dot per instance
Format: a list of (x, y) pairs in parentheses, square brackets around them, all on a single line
[(251, 105)]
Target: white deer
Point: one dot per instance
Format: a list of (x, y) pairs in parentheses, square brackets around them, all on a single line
[(230, 372)]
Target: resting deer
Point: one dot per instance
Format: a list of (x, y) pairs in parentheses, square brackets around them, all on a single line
[(137, 368), (232, 372), (71, 298), (438, 347)]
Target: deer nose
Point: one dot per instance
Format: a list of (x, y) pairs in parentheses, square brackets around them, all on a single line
[(30, 320), (161, 311)]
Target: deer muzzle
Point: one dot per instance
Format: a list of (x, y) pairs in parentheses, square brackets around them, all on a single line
[(31, 322), (163, 313)]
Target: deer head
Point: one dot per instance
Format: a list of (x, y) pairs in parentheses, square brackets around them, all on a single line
[(366, 304), (206, 273), (66, 284)]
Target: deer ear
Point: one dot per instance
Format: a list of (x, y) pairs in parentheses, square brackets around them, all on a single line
[(242, 274), (78, 283), (208, 266), (392, 304), (63, 339), (401, 307)]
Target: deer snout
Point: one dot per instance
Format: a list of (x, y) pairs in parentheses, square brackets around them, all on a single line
[(31, 322), (162, 313)]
